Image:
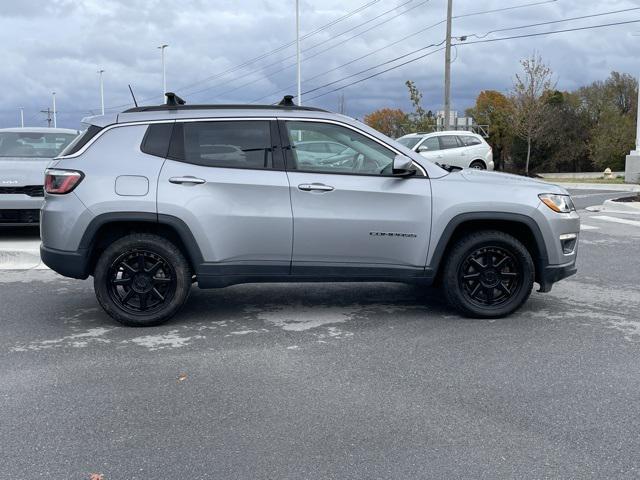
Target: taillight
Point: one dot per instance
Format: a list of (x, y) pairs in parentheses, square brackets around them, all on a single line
[(61, 181)]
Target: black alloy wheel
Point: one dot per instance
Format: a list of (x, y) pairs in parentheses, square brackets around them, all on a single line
[(141, 281), (489, 276)]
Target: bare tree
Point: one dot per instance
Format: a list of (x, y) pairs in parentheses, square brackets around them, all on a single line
[(529, 106)]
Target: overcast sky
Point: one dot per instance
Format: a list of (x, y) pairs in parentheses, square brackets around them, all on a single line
[(58, 45)]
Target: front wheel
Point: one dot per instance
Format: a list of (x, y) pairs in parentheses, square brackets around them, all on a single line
[(142, 280), (488, 274)]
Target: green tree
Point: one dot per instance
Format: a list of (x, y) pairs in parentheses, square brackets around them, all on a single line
[(611, 139), (529, 107), (611, 107), (564, 143), (420, 120)]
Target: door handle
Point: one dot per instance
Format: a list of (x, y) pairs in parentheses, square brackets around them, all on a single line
[(187, 179), (317, 187)]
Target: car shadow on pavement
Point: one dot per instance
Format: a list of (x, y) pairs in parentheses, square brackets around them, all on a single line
[(288, 305)]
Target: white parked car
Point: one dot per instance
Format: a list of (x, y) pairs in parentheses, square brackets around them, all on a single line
[(455, 148)]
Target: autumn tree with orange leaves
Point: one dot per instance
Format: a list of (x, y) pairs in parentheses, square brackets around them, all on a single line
[(389, 121)]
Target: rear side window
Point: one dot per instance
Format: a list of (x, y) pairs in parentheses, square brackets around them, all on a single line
[(236, 144), (468, 140), (448, 141), (156, 140), (81, 140)]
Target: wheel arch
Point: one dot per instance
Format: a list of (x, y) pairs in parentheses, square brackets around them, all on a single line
[(478, 160), (108, 227), (522, 227)]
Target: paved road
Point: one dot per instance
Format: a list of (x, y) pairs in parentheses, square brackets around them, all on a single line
[(589, 198), (328, 381)]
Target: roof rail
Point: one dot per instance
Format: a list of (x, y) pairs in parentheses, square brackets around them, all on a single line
[(159, 108), (173, 103)]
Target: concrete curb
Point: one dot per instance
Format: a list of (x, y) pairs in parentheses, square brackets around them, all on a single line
[(579, 175), (632, 207)]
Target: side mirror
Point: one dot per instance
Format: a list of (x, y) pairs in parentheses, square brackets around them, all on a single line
[(422, 148), (402, 166)]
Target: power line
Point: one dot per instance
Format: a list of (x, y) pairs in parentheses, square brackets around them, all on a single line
[(264, 55), (376, 74), (437, 44), (537, 34), (465, 43), (284, 46), (322, 43), (549, 22), (470, 14)]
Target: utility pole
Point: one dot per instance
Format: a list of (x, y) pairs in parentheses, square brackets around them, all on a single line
[(22, 117), (48, 112), (447, 69), (100, 72), (55, 119), (164, 71), (341, 109), (299, 96)]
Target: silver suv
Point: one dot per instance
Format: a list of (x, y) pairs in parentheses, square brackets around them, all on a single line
[(24, 155), (156, 198)]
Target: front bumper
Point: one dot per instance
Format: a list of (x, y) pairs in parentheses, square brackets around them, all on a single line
[(69, 264), (554, 273), (19, 210), (19, 217)]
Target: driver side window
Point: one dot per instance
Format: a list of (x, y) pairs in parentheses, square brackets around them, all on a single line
[(346, 151)]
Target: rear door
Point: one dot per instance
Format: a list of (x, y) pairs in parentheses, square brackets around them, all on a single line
[(351, 215), (225, 179), (453, 151)]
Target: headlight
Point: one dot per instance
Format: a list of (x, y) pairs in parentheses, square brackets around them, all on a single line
[(557, 203)]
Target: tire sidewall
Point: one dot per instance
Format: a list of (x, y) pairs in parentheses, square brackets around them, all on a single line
[(455, 290), (156, 245)]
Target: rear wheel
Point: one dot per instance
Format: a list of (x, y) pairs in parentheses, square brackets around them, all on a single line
[(488, 274), (478, 165), (142, 280)]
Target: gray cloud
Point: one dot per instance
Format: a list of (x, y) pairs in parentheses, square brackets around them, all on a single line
[(60, 45)]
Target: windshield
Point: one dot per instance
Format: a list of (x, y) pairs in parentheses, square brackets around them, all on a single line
[(32, 144), (409, 142)]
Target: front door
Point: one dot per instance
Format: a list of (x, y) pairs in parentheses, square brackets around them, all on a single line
[(227, 183), (351, 215)]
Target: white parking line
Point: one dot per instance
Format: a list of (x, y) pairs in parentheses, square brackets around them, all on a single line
[(588, 227), (606, 218)]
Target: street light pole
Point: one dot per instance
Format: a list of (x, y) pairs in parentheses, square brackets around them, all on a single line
[(447, 69), (100, 72), (22, 117), (164, 71), (55, 120), (299, 97)]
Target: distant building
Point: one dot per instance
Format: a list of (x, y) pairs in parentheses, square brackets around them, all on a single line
[(460, 123)]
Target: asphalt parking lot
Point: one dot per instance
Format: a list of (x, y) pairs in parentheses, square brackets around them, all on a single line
[(329, 381)]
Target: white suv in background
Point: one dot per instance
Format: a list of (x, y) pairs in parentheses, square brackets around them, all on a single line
[(456, 148)]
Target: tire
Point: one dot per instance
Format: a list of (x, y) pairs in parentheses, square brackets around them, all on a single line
[(488, 274), (478, 165), (147, 299)]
